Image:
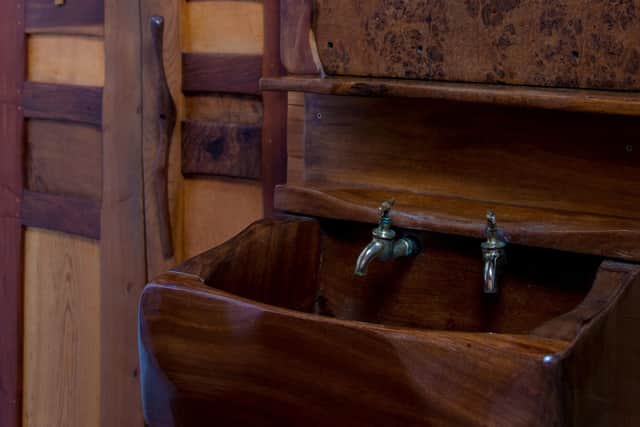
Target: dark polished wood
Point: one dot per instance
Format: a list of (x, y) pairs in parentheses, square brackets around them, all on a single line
[(559, 43), (74, 103), (221, 149), (66, 214), (274, 129), (74, 17), (166, 118), (442, 373), (12, 66), (587, 101), (221, 72)]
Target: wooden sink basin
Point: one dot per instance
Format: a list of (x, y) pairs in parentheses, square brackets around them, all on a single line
[(273, 329)]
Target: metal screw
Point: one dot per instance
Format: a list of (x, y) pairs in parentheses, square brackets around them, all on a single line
[(319, 116), (629, 148)]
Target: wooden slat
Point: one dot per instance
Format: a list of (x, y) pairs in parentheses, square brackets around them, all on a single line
[(586, 101), (63, 102), (122, 248), (221, 149), (12, 59), (227, 73), (64, 158), (70, 215), (74, 17), (65, 59), (222, 27), (62, 341), (274, 131), (224, 108)]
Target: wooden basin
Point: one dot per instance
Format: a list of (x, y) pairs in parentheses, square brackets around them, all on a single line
[(273, 329)]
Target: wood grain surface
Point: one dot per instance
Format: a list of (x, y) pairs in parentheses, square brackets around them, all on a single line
[(221, 72), (82, 104), (63, 158), (76, 17), (225, 149), (62, 330), (65, 59), (559, 43), (122, 248), (224, 108)]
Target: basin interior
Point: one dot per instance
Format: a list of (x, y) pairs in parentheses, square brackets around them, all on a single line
[(307, 265)]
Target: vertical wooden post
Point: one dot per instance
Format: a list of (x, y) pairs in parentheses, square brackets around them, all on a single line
[(122, 245), (12, 64), (274, 131)]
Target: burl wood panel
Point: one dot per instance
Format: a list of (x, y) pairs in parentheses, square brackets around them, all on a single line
[(559, 43), (562, 161), (62, 324), (226, 149), (74, 17), (64, 158)]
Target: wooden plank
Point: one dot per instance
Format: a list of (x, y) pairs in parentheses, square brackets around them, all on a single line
[(224, 108), (227, 73), (295, 138), (161, 80), (62, 325), (222, 27), (585, 101), (122, 248), (71, 215), (64, 158), (274, 131), (74, 17), (223, 209), (64, 59), (12, 60), (297, 41), (558, 43), (221, 149), (63, 102)]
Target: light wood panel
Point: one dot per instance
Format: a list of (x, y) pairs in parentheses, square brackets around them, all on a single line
[(217, 210), (225, 108), (222, 27), (62, 326), (65, 59)]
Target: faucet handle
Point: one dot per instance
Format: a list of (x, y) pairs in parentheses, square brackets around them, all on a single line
[(491, 219), (493, 240), (385, 207)]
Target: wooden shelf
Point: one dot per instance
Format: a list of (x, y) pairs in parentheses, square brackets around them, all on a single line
[(577, 100), (568, 231)]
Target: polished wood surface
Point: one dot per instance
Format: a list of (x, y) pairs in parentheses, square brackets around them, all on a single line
[(586, 101), (12, 64), (557, 43), (412, 376)]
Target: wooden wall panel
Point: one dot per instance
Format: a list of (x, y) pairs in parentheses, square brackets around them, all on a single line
[(224, 108), (122, 248), (221, 72), (62, 327), (76, 60), (64, 158), (74, 17), (12, 60), (216, 210), (222, 27)]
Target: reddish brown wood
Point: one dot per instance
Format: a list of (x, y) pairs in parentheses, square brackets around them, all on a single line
[(12, 64), (297, 41), (569, 231), (66, 214), (221, 72), (218, 306), (560, 43), (587, 101), (274, 130), (221, 149), (75, 16), (74, 103), (166, 117)]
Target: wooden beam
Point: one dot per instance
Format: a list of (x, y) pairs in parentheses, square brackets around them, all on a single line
[(73, 17), (74, 103), (12, 60), (122, 247), (221, 149), (225, 73), (274, 130), (70, 215)]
